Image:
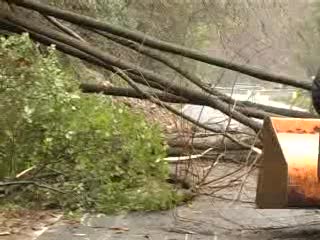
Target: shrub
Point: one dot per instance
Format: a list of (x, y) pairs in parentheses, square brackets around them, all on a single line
[(87, 150)]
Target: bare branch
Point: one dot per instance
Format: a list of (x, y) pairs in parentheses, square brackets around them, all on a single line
[(160, 45), (156, 101), (108, 59), (63, 28), (28, 182)]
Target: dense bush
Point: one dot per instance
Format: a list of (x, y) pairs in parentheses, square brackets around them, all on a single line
[(93, 152)]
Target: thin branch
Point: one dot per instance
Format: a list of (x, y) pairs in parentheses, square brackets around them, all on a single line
[(132, 93), (156, 101), (63, 28), (19, 175), (11, 183), (280, 111), (187, 158)]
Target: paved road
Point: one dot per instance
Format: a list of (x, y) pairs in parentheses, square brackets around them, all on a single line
[(206, 218)]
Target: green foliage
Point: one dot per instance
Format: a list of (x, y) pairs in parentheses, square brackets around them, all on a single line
[(33, 88), (94, 153), (302, 100), (299, 99)]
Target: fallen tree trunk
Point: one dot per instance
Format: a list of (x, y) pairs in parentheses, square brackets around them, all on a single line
[(158, 44), (108, 59), (160, 88), (218, 142)]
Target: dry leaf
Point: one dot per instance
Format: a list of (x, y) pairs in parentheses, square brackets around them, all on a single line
[(5, 233), (119, 228), (36, 228), (79, 234)]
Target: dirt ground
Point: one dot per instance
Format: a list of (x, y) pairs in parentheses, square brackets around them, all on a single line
[(217, 216), (26, 224)]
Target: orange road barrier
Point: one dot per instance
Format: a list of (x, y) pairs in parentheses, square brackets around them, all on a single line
[(289, 173)]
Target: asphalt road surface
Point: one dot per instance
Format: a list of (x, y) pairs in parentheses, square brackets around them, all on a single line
[(218, 217)]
